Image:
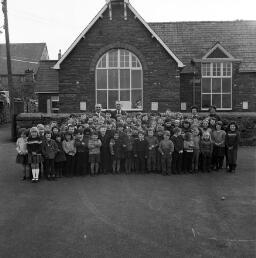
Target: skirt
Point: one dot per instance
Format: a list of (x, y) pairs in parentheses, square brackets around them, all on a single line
[(35, 158), (22, 159)]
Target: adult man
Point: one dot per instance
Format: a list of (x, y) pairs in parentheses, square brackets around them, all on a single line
[(98, 111), (118, 110)]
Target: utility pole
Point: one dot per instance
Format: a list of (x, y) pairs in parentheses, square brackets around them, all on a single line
[(9, 65)]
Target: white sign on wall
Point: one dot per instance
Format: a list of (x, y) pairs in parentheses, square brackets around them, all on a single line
[(154, 106), (83, 106)]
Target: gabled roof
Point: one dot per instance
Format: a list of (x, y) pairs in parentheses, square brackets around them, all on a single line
[(193, 40), (57, 65), (221, 51), (47, 79), (23, 56)]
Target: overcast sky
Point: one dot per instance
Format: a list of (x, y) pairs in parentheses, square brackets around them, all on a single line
[(59, 22)]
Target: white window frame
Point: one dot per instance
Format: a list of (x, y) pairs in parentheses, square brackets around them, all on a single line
[(118, 68), (54, 99), (212, 76)]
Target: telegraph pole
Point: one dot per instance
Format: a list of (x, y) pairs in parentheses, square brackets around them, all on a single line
[(9, 65)]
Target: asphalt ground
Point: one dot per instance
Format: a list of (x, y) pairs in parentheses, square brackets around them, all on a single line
[(128, 215)]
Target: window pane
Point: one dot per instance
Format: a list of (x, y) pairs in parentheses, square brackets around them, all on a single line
[(112, 98), (101, 79), (124, 58), (226, 69), (226, 85), (206, 85), (113, 58), (226, 101), (103, 62), (124, 95), (206, 100), (102, 98), (206, 69), (136, 79), (216, 69), (216, 100), (135, 62), (216, 85), (113, 79), (124, 79), (136, 99)]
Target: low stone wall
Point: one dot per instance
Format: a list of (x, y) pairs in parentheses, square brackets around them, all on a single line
[(246, 122)]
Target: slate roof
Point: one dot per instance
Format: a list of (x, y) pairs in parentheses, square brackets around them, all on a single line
[(47, 78), (23, 56), (192, 40)]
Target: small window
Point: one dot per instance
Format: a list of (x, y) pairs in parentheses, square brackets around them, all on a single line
[(55, 104)]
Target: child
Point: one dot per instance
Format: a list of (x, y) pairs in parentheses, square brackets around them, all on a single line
[(21, 147), (105, 156), (152, 145), (70, 150), (116, 150), (166, 149), (196, 152), (218, 139), (34, 145), (55, 132), (128, 148), (82, 154), (94, 145), (49, 150), (140, 149), (60, 157), (160, 133), (206, 151), (178, 143), (232, 140), (188, 152)]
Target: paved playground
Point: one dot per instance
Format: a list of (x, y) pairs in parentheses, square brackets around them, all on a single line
[(128, 215)]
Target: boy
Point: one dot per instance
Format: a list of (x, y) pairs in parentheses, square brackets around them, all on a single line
[(206, 151), (152, 144), (49, 150), (94, 145), (166, 149)]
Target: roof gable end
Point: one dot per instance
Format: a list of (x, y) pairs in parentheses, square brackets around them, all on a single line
[(99, 15), (218, 51)]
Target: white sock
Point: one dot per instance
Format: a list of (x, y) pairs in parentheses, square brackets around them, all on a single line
[(37, 173), (34, 173)]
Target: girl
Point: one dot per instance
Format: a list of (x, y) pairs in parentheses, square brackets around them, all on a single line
[(232, 140), (206, 151), (34, 145), (218, 139), (188, 152), (70, 150), (94, 145), (196, 141), (60, 157), (55, 132), (21, 147)]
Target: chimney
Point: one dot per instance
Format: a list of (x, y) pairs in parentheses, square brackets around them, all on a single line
[(59, 55)]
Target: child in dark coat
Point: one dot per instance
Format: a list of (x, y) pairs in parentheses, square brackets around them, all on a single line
[(232, 141), (49, 150), (60, 157), (140, 150), (82, 154), (177, 140), (188, 152), (152, 146), (128, 151)]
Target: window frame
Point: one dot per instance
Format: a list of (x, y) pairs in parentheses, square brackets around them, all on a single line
[(138, 67), (214, 76)]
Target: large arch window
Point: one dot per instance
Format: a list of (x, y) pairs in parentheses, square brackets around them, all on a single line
[(119, 77)]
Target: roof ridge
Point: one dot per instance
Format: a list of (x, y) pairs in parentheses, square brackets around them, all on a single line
[(228, 21)]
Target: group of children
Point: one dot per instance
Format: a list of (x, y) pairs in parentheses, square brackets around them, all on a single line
[(140, 143)]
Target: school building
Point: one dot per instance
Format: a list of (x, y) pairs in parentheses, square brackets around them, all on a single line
[(152, 66)]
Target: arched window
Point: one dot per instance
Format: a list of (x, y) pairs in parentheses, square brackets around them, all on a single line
[(119, 77)]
